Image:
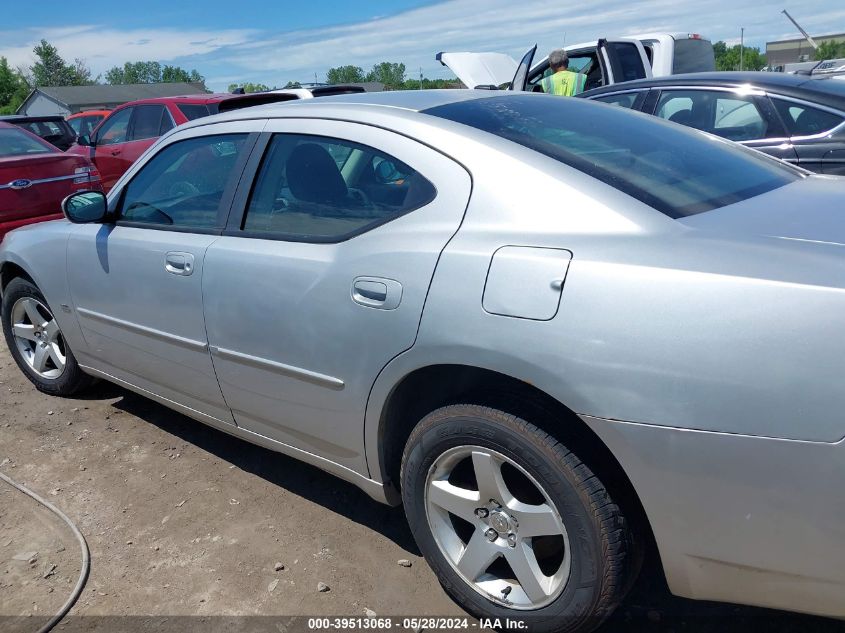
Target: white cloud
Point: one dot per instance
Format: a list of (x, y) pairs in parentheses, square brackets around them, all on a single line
[(414, 36), (104, 47)]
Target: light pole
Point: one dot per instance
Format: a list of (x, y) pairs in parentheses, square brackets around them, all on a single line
[(741, 44)]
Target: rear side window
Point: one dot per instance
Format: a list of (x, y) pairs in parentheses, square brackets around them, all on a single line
[(693, 56), (150, 121), (626, 100), (671, 168), (193, 111), (320, 189), (16, 143), (182, 186), (626, 63), (804, 120)]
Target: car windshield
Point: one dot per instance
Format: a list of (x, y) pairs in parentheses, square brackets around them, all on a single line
[(673, 169), (16, 143)]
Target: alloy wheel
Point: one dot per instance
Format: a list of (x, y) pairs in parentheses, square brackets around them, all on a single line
[(38, 338), (497, 527)]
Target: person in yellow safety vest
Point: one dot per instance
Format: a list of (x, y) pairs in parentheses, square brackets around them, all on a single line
[(562, 82)]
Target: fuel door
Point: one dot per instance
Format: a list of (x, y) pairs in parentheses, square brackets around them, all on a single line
[(526, 282)]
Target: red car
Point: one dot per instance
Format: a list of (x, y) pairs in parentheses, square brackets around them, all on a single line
[(35, 177), (133, 127)]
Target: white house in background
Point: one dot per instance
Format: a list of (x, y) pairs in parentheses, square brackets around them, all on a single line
[(66, 100)]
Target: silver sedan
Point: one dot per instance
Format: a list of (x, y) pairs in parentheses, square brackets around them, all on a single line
[(557, 331)]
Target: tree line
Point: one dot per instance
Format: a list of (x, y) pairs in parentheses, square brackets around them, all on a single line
[(50, 69)]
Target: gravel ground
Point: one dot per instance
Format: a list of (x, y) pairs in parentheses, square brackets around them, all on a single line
[(183, 520)]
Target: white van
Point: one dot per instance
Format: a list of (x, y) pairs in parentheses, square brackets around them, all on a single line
[(604, 62)]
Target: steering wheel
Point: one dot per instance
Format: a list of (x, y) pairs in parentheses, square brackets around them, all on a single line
[(183, 188), (360, 197)]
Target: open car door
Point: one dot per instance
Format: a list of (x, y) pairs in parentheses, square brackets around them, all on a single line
[(481, 70), (622, 60), (520, 77)]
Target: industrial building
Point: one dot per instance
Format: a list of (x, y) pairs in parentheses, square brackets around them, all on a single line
[(795, 50)]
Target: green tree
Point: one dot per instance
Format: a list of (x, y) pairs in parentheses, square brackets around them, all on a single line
[(391, 74), (829, 50), (51, 70), (175, 74), (429, 84), (727, 57), (13, 88), (135, 73), (293, 84), (345, 75), (249, 87)]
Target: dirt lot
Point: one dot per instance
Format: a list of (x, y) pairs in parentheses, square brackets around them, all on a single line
[(185, 520)]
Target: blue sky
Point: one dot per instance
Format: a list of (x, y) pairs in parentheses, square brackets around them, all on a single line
[(273, 42)]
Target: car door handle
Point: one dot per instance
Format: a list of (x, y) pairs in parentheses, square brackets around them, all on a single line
[(377, 292), (115, 152), (177, 263), (372, 290)]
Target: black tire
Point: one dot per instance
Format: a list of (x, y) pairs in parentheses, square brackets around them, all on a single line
[(72, 380), (599, 573)]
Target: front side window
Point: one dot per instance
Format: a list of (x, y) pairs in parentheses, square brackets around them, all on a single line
[(314, 188), (673, 169), (115, 128), (725, 114), (182, 185), (804, 120)]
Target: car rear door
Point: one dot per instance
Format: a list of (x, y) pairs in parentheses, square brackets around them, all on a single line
[(136, 284), (321, 276), (623, 59)]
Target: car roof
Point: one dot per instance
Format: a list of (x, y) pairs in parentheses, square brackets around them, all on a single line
[(26, 117), (822, 90), (200, 99), (412, 100), (77, 115)]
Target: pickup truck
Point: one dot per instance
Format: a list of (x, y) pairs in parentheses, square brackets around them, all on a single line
[(604, 62)]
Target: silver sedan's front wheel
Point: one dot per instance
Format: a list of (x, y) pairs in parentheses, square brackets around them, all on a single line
[(38, 338), (514, 524), (36, 341), (517, 552)]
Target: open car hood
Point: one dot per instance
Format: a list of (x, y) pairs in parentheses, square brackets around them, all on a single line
[(480, 69)]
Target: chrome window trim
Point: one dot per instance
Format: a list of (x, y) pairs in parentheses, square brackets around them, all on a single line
[(617, 92)]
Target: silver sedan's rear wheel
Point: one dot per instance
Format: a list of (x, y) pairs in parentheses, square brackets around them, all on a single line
[(38, 338), (36, 341), (511, 518), (513, 523)]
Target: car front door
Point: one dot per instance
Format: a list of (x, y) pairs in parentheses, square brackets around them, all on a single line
[(320, 279), (743, 116), (136, 283), (108, 144)]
